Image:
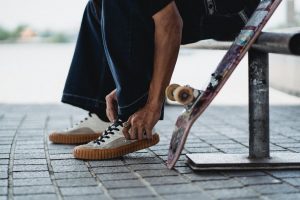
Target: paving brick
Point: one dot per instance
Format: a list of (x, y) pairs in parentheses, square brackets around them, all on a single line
[(190, 196), (32, 181), (120, 176), (71, 191), (76, 182), (175, 189), (29, 156), (142, 160), (25, 190), (220, 184), (25, 147), (292, 181), (36, 141), (109, 170), (70, 168), (141, 155), (60, 151), (21, 168), (238, 193), (148, 167), (4, 161), (30, 162), (61, 156), (3, 174), (130, 192), (5, 146), (30, 151), (66, 162), (3, 190), (285, 173), (22, 175), (3, 168), (203, 176), (36, 197), (87, 197), (158, 173), (70, 175), (3, 156), (166, 180), (243, 173), (257, 180), (3, 198), (106, 163), (294, 196), (4, 182), (123, 184), (274, 188), (5, 151)]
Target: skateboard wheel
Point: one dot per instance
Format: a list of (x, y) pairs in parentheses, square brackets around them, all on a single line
[(170, 91), (183, 95)]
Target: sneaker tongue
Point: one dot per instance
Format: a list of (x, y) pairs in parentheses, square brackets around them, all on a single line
[(117, 123), (110, 130)]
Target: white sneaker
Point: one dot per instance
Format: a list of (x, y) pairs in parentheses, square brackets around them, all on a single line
[(112, 144), (85, 131)]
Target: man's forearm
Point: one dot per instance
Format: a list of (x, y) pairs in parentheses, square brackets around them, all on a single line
[(168, 30)]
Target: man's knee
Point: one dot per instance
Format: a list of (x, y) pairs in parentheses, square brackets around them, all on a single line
[(93, 7)]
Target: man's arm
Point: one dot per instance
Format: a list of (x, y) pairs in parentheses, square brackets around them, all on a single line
[(168, 30)]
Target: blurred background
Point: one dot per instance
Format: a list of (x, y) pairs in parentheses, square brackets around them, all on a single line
[(37, 40)]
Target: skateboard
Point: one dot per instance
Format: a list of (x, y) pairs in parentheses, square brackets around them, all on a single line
[(196, 101)]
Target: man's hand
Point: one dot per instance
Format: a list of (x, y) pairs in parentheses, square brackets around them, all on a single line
[(168, 29), (141, 123), (112, 106)]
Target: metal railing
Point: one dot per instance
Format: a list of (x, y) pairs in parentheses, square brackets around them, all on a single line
[(258, 56)]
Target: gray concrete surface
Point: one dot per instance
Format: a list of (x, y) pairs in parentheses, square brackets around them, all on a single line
[(31, 167)]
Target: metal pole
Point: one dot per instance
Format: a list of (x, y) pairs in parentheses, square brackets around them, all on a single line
[(259, 104)]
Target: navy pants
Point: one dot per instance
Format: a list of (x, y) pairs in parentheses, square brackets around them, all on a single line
[(115, 50)]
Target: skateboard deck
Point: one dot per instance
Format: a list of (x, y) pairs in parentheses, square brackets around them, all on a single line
[(196, 101)]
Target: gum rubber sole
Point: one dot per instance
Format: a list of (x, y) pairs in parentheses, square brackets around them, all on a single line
[(73, 139), (101, 154)]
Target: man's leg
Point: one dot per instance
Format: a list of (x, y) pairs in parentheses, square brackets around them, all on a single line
[(227, 18), (88, 82), (128, 33), (89, 79), (214, 19)]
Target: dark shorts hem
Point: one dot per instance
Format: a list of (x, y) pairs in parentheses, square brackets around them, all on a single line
[(89, 104)]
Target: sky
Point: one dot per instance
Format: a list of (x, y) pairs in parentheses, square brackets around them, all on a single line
[(42, 14), (65, 15)]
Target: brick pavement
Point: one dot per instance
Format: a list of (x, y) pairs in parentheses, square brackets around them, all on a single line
[(33, 168)]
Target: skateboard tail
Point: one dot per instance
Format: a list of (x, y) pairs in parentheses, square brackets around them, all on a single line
[(174, 156)]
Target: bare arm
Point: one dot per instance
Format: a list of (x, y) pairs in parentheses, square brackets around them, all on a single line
[(168, 30)]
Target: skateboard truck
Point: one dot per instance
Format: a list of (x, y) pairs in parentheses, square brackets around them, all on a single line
[(185, 95)]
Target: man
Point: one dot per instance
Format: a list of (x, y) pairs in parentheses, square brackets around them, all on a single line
[(124, 59)]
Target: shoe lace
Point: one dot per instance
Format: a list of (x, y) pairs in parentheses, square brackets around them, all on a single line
[(81, 121), (109, 131)]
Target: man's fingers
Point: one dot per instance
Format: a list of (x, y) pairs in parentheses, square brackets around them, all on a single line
[(140, 132), (126, 127), (126, 133), (133, 133), (111, 115), (111, 109), (149, 133)]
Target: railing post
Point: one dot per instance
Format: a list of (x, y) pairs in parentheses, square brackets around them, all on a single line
[(259, 146)]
